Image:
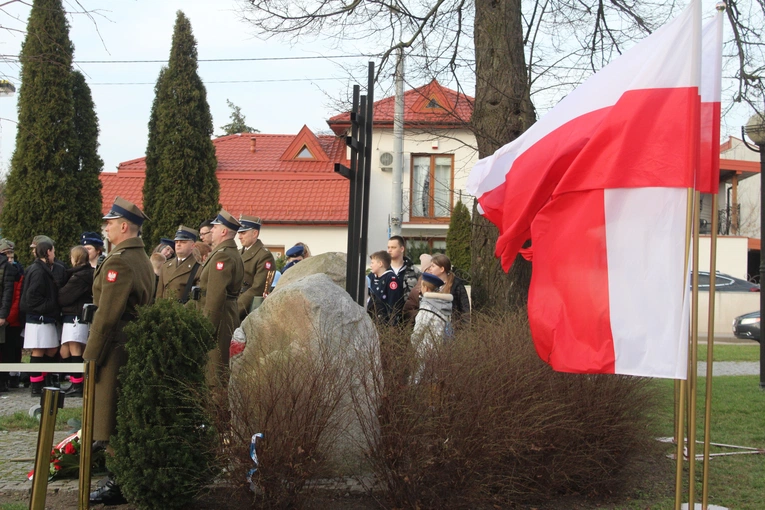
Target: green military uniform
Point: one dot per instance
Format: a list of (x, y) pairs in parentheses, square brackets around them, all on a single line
[(124, 281), (258, 261), (174, 276), (220, 279)]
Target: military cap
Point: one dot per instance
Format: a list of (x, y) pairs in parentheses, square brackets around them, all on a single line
[(91, 238), (39, 239), (186, 234), (167, 241), (249, 223), (296, 251), (6, 245), (432, 279), (224, 218), (124, 209)]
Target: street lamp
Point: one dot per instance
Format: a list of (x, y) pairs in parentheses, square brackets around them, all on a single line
[(755, 130)]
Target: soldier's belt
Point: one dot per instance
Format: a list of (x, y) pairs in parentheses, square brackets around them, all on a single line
[(203, 293)]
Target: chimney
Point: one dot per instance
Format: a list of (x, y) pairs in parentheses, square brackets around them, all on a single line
[(252, 144)]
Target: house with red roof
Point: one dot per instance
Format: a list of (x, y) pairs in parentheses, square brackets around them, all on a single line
[(439, 152), (289, 180)]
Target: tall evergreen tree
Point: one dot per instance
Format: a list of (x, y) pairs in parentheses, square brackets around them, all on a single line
[(87, 193), (458, 240), (180, 185), (238, 122), (44, 165)]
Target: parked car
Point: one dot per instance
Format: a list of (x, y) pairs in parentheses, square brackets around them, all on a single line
[(747, 326), (726, 283)]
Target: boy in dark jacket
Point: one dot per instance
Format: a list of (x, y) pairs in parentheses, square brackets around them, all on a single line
[(386, 292)]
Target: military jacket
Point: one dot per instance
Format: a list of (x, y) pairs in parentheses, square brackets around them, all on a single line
[(173, 277), (123, 282), (258, 261), (219, 280)]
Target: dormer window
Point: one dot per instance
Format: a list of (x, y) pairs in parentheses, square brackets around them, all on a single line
[(304, 154), (433, 104)]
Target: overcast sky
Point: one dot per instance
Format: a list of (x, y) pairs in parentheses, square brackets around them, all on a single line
[(276, 96), (142, 30)]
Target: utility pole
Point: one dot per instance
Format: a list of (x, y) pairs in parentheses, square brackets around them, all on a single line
[(398, 148)]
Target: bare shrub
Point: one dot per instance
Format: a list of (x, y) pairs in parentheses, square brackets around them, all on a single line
[(489, 423), (295, 397)]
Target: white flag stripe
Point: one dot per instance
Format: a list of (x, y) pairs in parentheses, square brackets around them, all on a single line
[(645, 239), (710, 88), (659, 61)]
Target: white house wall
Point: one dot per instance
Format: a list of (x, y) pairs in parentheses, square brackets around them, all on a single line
[(319, 239), (731, 255), (460, 142), (748, 191)]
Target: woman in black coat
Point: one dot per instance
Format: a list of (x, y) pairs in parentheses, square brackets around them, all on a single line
[(441, 266), (39, 301), (77, 292)]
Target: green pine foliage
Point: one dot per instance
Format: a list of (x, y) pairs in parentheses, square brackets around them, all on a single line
[(163, 445), (44, 167), (87, 193), (458, 240), (238, 122), (180, 186)]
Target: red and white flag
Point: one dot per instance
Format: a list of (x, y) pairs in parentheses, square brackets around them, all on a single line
[(600, 186), (710, 89)]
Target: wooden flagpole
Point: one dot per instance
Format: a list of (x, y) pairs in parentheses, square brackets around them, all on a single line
[(693, 355), (710, 357)]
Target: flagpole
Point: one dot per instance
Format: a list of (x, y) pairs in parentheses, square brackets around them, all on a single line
[(694, 356), (682, 383), (710, 357)]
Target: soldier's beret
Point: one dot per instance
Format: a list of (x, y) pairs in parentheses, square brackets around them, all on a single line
[(6, 245)]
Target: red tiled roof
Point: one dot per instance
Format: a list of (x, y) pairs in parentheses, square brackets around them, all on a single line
[(453, 110), (262, 182)]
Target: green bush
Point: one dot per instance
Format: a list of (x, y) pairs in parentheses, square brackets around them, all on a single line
[(458, 241), (164, 443)]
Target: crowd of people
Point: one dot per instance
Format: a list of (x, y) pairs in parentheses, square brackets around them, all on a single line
[(431, 301)]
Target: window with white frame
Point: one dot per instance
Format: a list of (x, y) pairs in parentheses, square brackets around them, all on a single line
[(431, 186)]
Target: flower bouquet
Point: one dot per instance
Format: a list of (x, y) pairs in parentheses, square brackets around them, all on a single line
[(65, 459)]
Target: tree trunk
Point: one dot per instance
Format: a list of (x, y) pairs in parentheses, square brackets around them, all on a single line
[(503, 110)]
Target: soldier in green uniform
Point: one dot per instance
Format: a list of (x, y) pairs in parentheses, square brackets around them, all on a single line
[(124, 281), (219, 281), (177, 274), (258, 261)]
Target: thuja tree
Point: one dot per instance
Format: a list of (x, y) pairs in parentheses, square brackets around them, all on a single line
[(458, 240), (180, 185), (44, 165), (87, 187), (164, 443)]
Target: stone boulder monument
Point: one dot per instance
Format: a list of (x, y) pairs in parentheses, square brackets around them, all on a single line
[(310, 349), (332, 264)]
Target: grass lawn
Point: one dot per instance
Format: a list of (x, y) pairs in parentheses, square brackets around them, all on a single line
[(732, 352), (22, 421), (738, 418)]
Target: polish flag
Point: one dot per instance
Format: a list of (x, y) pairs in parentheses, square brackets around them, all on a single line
[(710, 89), (600, 186)]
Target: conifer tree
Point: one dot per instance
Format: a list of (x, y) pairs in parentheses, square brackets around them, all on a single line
[(44, 165), (89, 164), (238, 122), (180, 185), (458, 240)]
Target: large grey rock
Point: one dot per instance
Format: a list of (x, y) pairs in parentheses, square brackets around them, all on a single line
[(332, 264), (309, 325)]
